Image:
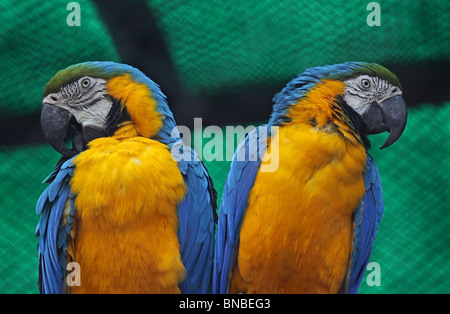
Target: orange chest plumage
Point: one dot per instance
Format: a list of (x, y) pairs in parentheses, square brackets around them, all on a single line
[(296, 236), (124, 231)]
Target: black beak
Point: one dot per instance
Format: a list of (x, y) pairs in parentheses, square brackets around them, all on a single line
[(55, 124), (390, 115), (59, 125)]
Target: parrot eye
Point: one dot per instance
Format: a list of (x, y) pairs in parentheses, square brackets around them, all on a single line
[(365, 83), (85, 83)]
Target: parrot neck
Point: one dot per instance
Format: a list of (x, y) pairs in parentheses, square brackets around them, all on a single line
[(139, 102), (324, 108), (125, 131)]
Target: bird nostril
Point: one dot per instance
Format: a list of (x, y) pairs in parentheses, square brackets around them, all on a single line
[(394, 90), (51, 99)]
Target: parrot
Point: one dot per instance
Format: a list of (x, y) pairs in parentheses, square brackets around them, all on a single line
[(302, 201), (132, 206)]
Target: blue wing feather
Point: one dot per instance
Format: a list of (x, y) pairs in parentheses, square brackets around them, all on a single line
[(196, 215), (240, 180), (52, 233), (367, 218)]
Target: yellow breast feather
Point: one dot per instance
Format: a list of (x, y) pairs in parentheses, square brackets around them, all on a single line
[(127, 190)]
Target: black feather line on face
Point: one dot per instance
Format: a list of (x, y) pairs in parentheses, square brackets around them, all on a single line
[(356, 121), (90, 104), (117, 115)]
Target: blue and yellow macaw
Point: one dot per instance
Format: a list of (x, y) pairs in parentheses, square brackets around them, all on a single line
[(124, 203), (303, 218)]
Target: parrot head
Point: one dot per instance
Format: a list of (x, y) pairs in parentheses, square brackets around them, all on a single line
[(369, 90), (89, 100)]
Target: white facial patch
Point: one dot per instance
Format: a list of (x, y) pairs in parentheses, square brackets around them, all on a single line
[(87, 100), (363, 90), (95, 115)]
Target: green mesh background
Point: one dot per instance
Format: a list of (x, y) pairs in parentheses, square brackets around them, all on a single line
[(36, 42), (412, 245), (218, 45)]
